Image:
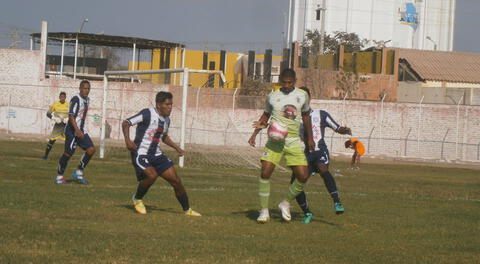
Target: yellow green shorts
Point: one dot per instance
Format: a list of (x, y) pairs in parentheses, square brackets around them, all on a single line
[(291, 149), (58, 132)]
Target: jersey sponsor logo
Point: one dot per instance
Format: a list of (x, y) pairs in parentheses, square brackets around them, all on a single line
[(151, 134), (289, 111)]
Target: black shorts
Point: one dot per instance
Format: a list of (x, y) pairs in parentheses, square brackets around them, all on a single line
[(317, 157), (71, 142), (161, 163)]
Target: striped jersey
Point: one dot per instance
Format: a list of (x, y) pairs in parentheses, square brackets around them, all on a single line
[(320, 120), (151, 128), (78, 109)]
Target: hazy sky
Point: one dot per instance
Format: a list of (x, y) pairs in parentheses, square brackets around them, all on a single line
[(235, 25)]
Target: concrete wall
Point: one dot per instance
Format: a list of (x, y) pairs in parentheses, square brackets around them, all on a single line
[(215, 118)]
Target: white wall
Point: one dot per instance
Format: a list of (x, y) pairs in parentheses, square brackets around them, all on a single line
[(380, 20)]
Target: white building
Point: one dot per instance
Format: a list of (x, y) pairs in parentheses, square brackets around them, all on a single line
[(418, 24)]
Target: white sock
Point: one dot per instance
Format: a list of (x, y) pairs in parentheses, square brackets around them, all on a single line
[(59, 177)]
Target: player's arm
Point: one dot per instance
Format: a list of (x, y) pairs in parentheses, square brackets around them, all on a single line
[(72, 115), (331, 123), (307, 123), (49, 111), (355, 154), (263, 120), (126, 135), (132, 121), (169, 142)]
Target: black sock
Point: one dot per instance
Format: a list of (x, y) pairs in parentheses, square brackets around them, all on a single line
[(49, 147), (62, 164), (302, 202), (141, 191), (84, 161), (183, 200), (301, 198), (331, 186)]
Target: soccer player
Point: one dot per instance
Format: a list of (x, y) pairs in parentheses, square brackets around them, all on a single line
[(319, 159), (288, 105), (359, 150), (76, 134), (148, 159), (58, 112)]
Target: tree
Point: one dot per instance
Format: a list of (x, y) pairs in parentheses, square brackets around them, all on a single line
[(351, 41)]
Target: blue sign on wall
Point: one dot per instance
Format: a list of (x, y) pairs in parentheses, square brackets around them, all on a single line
[(410, 16)]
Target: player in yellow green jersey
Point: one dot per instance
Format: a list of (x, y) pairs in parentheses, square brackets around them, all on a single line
[(58, 112), (289, 106)]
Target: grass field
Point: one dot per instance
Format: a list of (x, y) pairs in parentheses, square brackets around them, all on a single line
[(394, 214)]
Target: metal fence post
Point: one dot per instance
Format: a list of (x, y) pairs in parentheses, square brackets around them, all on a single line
[(458, 120), (406, 141), (419, 123), (443, 143), (369, 137)]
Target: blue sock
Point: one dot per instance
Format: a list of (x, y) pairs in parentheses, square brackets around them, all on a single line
[(331, 186), (84, 161), (183, 200), (62, 164)]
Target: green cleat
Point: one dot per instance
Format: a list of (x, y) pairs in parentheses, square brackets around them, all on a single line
[(307, 218), (339, 208)]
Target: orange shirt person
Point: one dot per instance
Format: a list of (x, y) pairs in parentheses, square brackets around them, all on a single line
[(359, 149)]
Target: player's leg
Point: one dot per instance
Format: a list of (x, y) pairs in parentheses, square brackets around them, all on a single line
[(86, 144), (296, 160), (272, 155), (331, 186), (48, 148), (146, 177), (170, 175), (264, 190), (70, 146), (301, 198)]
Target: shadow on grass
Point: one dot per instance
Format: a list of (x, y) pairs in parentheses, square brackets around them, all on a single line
[(276, 215), (151, 208)]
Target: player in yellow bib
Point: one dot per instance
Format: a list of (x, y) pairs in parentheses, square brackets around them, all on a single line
[(58, 112), (289, 106)]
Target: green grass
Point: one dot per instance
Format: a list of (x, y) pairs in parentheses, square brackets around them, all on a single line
[(394, 214)]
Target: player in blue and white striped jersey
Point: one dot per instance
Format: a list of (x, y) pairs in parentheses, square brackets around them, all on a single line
[(319, 159), (148, 159), (76, 134)]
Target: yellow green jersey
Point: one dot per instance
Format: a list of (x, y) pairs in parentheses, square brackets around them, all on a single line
[(288, 108), (59, 109)]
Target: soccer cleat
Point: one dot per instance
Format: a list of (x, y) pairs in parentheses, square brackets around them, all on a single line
[(264, 216), (285, 209), (307, 218), (339, 208), (60, 180), (190, 212), (78, 178), (139, 206)]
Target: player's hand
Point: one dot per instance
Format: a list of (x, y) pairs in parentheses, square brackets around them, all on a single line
[(259, 125), (251, 140), (311, 145), (180, 152), (79, 133), (344, 131), (130, 145)]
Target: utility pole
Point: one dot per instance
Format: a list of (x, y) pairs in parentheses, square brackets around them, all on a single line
[(322, 26)]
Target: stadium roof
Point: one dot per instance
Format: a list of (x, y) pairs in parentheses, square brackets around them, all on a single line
[(443, 66), (108, 40)]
